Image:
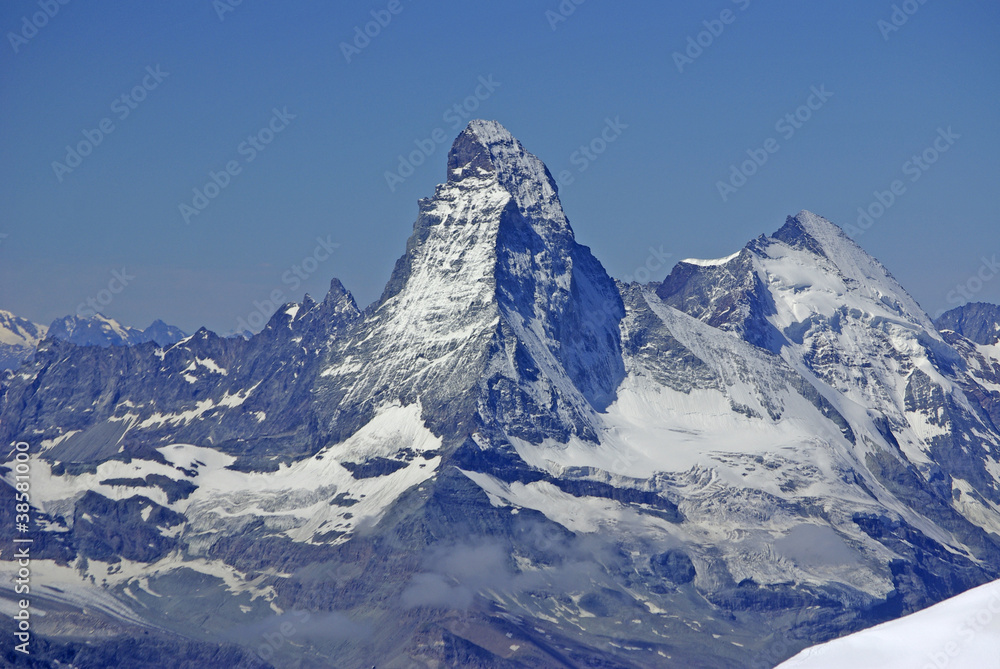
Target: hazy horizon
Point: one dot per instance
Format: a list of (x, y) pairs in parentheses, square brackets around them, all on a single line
[(301, 116)]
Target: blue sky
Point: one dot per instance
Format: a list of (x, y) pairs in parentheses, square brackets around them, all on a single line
[(314, 203)]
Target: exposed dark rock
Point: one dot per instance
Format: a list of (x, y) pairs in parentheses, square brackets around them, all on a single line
[(977, 321), (673, 565)]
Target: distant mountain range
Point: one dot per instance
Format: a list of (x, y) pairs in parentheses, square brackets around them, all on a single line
[(19, 337), (511, 459)]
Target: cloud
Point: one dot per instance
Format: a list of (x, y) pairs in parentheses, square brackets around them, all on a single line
[(298, 627), (454, 574)]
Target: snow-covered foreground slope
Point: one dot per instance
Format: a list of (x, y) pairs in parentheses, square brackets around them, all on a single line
[(512, 460), (959, 633)]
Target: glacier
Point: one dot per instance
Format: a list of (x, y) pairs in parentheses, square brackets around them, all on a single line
[(512, 459)]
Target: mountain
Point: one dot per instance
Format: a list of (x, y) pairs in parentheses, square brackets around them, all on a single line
[(18, 338), (959, 633), (511, 459), (977, 321), (912, 399), (99, 330), (162, 334)]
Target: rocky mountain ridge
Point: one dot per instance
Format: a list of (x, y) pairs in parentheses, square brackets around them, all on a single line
[(511, 459), (19, 337)]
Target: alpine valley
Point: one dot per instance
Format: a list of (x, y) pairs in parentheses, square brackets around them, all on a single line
[(510, 459)]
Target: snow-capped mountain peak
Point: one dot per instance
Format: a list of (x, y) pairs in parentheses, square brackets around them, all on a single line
[(15, 330), (99, 330), (494, 300), (862, 274), (771, 445), (18, 338), (486, 147), (96, 330)]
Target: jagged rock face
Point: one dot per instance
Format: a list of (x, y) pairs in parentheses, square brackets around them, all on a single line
[(252, 398), (511, 460), (728, 295), (976, 321), (980, 378), (927, 428), (493, 315), (839, 318)]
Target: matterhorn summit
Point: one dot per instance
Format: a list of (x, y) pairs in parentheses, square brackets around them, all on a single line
[(511, 459)]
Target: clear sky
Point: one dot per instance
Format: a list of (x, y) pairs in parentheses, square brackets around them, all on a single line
[(221, 73)]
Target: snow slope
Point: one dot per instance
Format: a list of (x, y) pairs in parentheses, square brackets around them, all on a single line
[(769, 445), (959, 633), (18, 338)]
